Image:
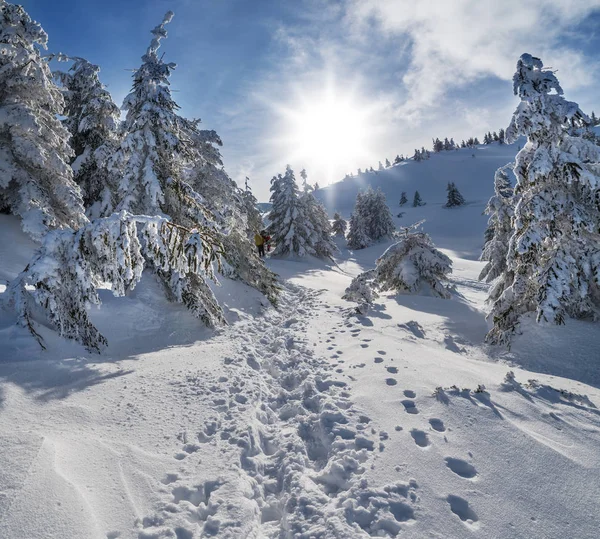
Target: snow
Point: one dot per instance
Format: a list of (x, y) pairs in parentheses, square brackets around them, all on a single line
[(308, 419)]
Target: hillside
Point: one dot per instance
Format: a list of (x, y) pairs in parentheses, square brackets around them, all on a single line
[(461, 231), (307, 420)]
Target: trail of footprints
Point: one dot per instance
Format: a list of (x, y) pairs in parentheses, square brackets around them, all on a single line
[(459, 506), (302, 456)]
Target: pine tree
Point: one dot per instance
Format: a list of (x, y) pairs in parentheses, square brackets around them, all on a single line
[(397, 160), (339, 225), (403, 199), (417, 156), (387, 163), (316, 186), (359, 172), (438, 145), (254, 222), (447, 145), (377, 215), (486, 138), (36, 182), (463, 144), (93, 120), (412, 265), (501, 136), (288, 221), (500, 208), (553, 252), (380, 167), (417, 200), (454, 196), (495, 136), (357, 233), (476, 141), (594, 119)]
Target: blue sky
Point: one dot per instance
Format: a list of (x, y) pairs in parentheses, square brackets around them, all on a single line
[(398, 72)]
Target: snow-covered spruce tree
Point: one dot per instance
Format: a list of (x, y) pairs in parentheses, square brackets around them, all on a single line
[(412, 265), (377, 215), (403, 199), (357, 232), (387, 163), (93, 120), (454, 196), (500, 208), (417, 200), (253, 218), (36, 182), (339, 225), (63, 277), (553, 252), (289, 223), (170, 167)]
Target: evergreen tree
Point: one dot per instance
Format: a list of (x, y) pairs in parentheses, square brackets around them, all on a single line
[(288, 220), (452, 144), (380, 167), (463, 144), (501, 136), (476, 141), (357, 233), (371, 169), (339, 225), (495, 137), (553, 252), (417, 200), (438, 145), (417, 156), (500, 208), (93, 120), (594, 119), (387, 163), (403, 199), (377, 215), (254, 220), (36, 181), (397, 160), (447, 145), (61, 281), (359, 172), (316, 186), (454, 196), (486, 138)]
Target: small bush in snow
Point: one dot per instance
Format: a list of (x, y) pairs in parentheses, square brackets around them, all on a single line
[(412, 265)]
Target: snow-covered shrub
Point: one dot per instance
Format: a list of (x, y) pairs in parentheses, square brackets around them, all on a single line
[(553, 254), (63, 277), (36, 182), (412, 265)]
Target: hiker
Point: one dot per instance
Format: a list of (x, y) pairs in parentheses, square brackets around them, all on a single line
[(260, 244), (267, 240)]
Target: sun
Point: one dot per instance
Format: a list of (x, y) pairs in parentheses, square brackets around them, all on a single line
[(327, 133)]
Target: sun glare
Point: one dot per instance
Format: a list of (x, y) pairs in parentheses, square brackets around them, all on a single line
[(327, 134)]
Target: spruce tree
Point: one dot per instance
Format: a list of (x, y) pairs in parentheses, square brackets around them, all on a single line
[(93, 120), (387, 163), (357, 232), (378, 218), (397, 160), (403, 199), (501, 136), (454, 196), (594, 119), (553, 252), (380, 167), (500, 208), (36, 181), (417, 200), (339, 225)]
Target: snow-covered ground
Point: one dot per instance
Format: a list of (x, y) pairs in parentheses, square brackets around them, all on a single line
[(307, 420)]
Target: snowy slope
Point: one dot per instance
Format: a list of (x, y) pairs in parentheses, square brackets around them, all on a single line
[(307, 420), (461, 230)]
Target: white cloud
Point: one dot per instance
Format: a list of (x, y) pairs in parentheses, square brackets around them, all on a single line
[(459, 41)]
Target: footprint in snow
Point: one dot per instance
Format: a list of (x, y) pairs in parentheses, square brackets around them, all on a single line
[(410, 407), (437, 424), (378, 360), (391, 381), (409, 393), (460, 507), (415, 328), (364, 346), (392, 370), (420, 438), (461, 468), (381, 352)]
